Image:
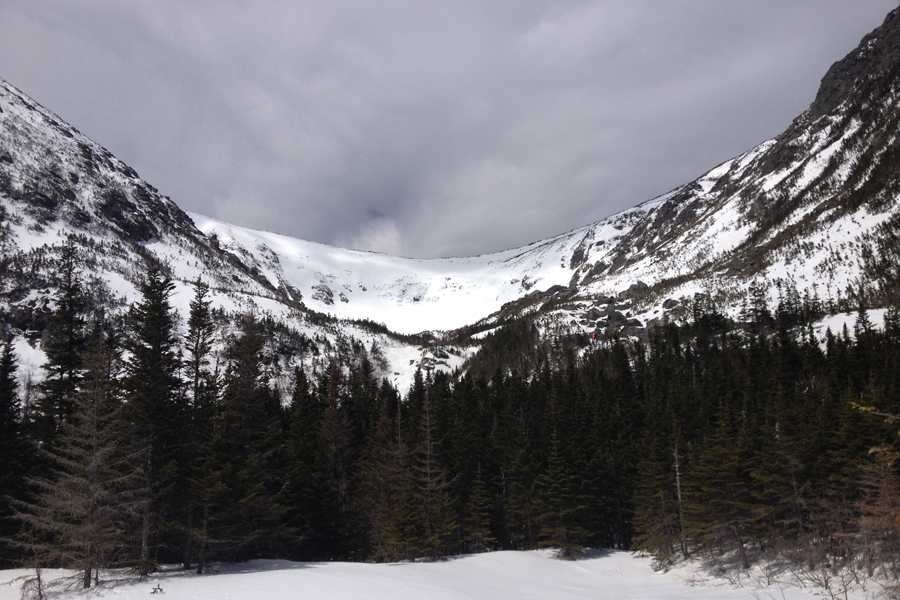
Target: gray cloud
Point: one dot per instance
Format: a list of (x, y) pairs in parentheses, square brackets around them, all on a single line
[(425, 128)]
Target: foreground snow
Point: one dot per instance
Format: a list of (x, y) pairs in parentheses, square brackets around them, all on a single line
[(494, 576)]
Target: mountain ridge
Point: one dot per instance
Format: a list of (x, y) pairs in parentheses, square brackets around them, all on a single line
[(796, 211)]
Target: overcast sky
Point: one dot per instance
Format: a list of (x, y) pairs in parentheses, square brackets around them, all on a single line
[(425, 128)]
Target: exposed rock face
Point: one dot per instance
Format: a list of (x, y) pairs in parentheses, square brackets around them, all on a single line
[(670, 303), (864, 73), (58, 174)]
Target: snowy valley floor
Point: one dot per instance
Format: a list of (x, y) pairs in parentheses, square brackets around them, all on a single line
[(493, 576)]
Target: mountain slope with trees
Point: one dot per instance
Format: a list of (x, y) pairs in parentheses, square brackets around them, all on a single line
[(194, 407)]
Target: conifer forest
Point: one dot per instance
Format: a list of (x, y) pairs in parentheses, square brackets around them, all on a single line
[(730, 440)]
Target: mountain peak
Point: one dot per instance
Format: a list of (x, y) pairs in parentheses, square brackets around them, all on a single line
[(870, 69)]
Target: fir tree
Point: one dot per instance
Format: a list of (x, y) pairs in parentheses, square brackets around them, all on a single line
[(245, 467), (65, 351), (558, 505), (83, 508), (12, 448), (155, 407)]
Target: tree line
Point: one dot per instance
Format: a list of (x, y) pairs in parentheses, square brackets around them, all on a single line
[(723, 439)]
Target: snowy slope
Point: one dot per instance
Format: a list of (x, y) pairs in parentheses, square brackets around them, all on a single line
[(55, 182), (492, 576), (408, 295), (797, 209)]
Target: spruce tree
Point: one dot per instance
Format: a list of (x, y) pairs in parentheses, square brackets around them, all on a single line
[(437, 522), (338, 453), (202, 390), (518, 468), (719, 504), (83, 508), (386, 483), (879, 509), (478, 536), (308, 497), (12, 449), (245, 467), (64, 349), (657, 515), (155, 408), (558, 505)]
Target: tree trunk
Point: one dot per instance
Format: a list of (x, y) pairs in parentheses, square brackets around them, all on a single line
[(145, 546), (201, 550), (745, 563), (189, 538)]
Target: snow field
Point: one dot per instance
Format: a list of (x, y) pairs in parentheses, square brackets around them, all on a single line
[(492, 576)]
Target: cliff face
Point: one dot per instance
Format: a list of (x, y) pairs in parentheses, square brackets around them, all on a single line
[(865, 73)]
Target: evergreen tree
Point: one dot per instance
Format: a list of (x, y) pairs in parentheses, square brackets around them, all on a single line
[(156, 409), (245, 467), (478, 517), (516, 481), (658, 515), (12, 449), (83, 508), (719, 502), (386, 483), (558, 505), (437, 523), (339, 456), (202, 387), (308, 496), (65, 352)]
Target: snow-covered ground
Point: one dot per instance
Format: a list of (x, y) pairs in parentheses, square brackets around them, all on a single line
[(493, 576)]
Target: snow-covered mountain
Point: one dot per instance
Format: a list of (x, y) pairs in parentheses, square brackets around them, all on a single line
[(408, 295), (797, 209), (56, 185)]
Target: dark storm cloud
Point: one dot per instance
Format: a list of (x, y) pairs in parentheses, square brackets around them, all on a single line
[(425, 128)]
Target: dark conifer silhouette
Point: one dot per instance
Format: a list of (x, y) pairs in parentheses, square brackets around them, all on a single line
[(65, 351), (13, 450), (156, 410), (84, 507)]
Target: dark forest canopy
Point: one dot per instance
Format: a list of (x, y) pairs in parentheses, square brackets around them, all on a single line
[(715, 438)]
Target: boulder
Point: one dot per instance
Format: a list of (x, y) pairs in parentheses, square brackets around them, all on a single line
[(635, 290), (615, 317), (593, 314), (679, 312), (631, 331)]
